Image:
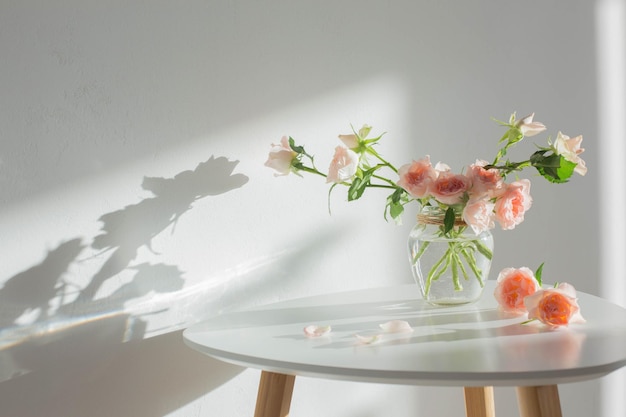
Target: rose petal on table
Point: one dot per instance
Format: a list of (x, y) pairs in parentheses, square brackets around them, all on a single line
[(316, 331), (396, 326), (367, 340)]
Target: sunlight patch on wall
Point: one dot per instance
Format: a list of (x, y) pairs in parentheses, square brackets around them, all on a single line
[(204, 218)]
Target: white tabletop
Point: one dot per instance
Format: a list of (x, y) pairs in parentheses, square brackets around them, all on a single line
[(471, 345)]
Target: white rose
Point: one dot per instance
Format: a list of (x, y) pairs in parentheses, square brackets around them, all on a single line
[(569, 148)]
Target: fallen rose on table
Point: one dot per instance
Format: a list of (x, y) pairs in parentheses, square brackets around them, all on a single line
[(519, 291)]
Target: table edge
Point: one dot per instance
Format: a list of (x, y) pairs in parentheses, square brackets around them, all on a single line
[(422, 378)]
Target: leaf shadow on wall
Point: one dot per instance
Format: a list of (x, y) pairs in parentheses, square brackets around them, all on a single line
[(34, 288), (65, 344), (125, 231)]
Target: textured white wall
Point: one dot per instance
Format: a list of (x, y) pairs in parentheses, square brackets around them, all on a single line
[(134, 200)]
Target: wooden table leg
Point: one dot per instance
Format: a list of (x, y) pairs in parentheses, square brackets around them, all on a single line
[(539, 401), (479, 402), (274, 396)]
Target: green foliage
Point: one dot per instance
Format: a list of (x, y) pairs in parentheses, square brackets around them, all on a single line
[(448, 220), (297, 149), (547, 160), (555, 168), (360, 183), (538, 273), (484, 250), (395, 204)]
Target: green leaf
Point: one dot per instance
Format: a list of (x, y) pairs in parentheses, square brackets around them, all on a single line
[(372, 140), (395, 205), (397, 195), (357, 188), (538, 274), (550, 161), (515, 135), (297, 149), (566, 170), (448, 220), (537, 158), (504, 137), (360, 183), (396, 210), (554, 168)]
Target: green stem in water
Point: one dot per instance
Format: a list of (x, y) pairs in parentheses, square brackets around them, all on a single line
[(455, 258), (484, 250), (462, 267), (421, 250), (455, 270), (435, 272), (471, 261)]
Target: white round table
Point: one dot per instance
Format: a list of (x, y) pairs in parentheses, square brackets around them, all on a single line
[(475, 346)]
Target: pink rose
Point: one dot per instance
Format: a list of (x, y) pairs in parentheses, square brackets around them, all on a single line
[(485, 182), (416, 177), (528, 127), (554, 307), (449, 188), (569, 148), (514, 285), (281, 156), (343, 166), (479, 215), (513, 203)]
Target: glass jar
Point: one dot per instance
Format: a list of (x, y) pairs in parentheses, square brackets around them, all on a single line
[(450, 266)]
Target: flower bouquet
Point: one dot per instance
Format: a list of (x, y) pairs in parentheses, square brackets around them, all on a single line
[(453, 204)]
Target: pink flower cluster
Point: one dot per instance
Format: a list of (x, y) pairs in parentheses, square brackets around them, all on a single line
[(517, 291), (342, 167), (481, 195), (483, 192)]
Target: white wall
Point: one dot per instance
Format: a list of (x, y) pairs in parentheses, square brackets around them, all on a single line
[(134, 199)]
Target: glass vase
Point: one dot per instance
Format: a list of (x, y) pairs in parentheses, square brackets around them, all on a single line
[(450, 266)]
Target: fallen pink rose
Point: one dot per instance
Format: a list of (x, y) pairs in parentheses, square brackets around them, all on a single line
[(554, 307), (514, 285)]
